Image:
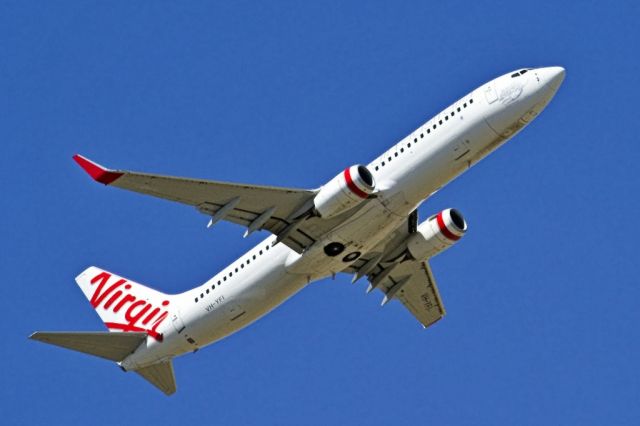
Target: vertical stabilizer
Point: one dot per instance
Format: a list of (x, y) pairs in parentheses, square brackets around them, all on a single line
[(125, 305)]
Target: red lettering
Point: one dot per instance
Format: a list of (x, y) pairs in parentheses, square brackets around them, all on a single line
[(99, 295), (125, 299), (113, 294), (134, 318), (158, 322), (151, 315), (115, 297)]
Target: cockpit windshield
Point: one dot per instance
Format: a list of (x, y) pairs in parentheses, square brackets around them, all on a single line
[(521, 72)]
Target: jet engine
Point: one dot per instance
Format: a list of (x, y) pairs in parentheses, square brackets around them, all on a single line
[(436, 234), (345, 191)]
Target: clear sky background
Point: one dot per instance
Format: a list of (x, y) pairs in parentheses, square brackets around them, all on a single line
[(541, 295)]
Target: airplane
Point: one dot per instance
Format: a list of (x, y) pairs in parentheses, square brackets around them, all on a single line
[(363, 222)]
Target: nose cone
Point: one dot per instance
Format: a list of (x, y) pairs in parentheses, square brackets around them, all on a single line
[(552, 77), (529, 96)]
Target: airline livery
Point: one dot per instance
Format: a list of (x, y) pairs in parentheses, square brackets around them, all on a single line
[(363, 221)]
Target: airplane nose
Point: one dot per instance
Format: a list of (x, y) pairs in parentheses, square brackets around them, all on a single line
[(523, 100), (553, 76)]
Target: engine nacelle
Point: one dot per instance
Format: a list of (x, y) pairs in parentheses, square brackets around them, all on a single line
[(437, 234), (345, 191)]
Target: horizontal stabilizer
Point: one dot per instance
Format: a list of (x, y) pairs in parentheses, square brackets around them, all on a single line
[(160, 375), (111, 346)]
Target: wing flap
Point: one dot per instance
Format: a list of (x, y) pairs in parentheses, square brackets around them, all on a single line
[(418, 291), (421, 296)]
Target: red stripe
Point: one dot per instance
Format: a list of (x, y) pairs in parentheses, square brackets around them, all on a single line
[(443, 228), (352, 186)]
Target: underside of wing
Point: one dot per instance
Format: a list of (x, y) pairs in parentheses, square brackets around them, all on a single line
[(389, 269), (412, 283), (419, 294), (274, 209)]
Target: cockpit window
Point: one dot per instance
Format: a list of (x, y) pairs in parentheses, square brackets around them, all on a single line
[(519, 73)]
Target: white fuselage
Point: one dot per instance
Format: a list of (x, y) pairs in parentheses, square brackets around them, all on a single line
[(406, 174)]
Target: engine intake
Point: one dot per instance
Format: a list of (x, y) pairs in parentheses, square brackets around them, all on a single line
[(437, 234), (345, 191)]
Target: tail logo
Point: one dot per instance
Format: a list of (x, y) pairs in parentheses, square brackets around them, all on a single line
[(140, 315)]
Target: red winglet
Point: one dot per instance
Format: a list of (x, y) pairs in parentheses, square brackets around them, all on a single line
[(96, 171)]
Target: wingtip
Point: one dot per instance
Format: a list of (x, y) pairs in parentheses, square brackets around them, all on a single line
[(39, 336), (96, 171)]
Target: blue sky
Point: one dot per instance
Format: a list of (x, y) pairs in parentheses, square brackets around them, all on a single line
[(541, 295)]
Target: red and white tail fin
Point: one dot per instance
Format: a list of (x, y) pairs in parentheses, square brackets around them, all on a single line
[(124, 305)]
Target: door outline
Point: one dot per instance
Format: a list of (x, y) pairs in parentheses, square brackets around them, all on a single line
[(177, 322)]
